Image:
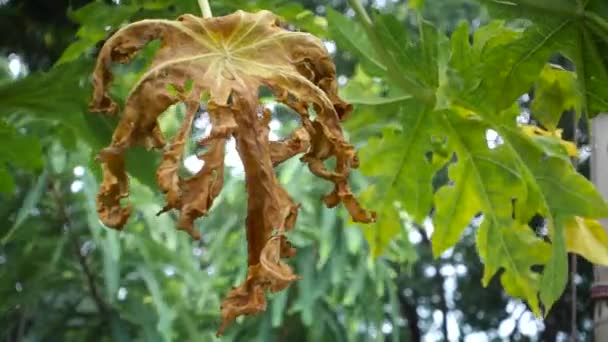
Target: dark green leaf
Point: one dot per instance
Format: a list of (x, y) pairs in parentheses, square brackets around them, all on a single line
[(577, 29)]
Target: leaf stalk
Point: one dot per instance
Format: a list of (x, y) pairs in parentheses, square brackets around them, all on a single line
[(599, 22), (205, 8)]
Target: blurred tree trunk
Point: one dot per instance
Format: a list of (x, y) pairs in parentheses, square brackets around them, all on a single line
[(599, 172)]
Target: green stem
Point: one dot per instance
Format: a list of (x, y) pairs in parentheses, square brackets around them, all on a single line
[(205, 8), (361, 13), (410, 86), (599, 22), (599, 31), (567, 11)]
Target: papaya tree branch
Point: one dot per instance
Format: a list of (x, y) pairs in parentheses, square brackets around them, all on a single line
[(64, 216), (408, 310)]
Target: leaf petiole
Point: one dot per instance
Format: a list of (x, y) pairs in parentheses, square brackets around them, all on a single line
[(205, 8), (599, 22)]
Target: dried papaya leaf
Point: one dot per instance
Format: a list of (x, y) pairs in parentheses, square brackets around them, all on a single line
[(194, 196), (199, 192), (229, 58), (247, 299), (271, 273), (298, 142), (114, 187), (167, 173)]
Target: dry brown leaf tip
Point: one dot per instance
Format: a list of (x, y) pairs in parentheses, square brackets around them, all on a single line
[(228, 58)]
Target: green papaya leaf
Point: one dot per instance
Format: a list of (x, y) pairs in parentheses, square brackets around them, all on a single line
[(19, 150), (57, 95), (561, 189), (500, 66), (417, 59), (493, 180), (364, 90), (96, 20), (587, 238), (553, 189), (516, 249), (556, 92), (554, 278), (350, 35), (60, 96), (504, 182), (16, 150), (388, 223), (404, 152), (578, 29)]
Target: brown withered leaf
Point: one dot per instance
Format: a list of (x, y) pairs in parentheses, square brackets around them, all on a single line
[(228, 58)]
